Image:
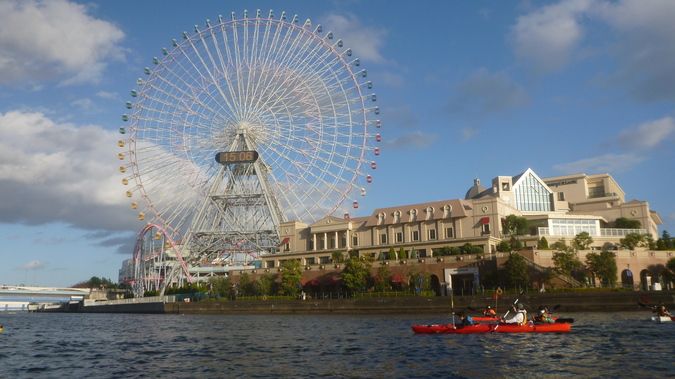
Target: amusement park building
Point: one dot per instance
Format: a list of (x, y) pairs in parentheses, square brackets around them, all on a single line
[(557, 208)]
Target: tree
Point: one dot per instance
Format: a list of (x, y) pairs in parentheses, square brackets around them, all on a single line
[(515, 225), (392, 254), (420, 281), (626, 223), (566, 262), (603, 266), (669, 271), (382, 279), (291, 274), (220, 286), (582, 241), (246, 285), (561, 246), (337, 257), (542, 244), (355, 275), (516, 270), (633, 240), (264, 285), (402, 254), (665, 242), (504, 246)]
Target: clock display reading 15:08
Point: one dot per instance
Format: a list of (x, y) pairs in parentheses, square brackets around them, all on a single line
[(230, 157)]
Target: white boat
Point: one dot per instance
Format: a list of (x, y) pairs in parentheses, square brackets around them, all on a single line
[(662, 318)]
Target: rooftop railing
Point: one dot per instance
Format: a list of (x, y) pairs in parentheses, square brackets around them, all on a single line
[(604, 232)]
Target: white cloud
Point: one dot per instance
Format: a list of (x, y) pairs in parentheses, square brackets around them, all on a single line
[(415, 140), (108, 95), (645, 48), (365, 41), (468, 133), (84, 104), (33, 265), (609, 163), (389, 79), (546, 37), (52, 172), (647, 135), (485, 92), (43, 40)]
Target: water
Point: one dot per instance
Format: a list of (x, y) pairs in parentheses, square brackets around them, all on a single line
[(40, 345)]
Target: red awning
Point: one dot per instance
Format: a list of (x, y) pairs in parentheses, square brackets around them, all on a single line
[(284, 241), (485, 220), (312, 282), (397, 278)]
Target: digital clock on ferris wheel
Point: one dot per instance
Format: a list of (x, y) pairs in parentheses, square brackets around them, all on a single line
[(233, 157)]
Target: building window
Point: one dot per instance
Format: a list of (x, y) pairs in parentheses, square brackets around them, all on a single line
[(324, 260), (310, 261), (449, 233), (355, 240), (485, 228), (287, 246), (415, 235), (532, 196), (399, 237), (383, 239), (505, 186), (270, 264), (397, 217), (432, 234), (561, 196)]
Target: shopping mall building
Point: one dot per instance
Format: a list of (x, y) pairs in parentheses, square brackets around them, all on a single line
[(557, 208)]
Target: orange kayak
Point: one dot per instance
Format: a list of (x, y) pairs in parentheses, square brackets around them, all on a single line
[(491, 328)]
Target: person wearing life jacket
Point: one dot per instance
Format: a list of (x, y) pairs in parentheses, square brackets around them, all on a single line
[(519, 317), (489, 312), (543, 315)]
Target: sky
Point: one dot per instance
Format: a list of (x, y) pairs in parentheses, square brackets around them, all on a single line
[(471, 89)]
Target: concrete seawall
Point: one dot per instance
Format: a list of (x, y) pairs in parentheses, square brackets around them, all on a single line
[(569, 302)]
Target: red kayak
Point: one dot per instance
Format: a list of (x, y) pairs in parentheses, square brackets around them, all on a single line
[(488, 328), (485, 318)]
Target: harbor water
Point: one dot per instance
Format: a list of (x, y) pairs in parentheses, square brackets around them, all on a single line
[(44, 345)]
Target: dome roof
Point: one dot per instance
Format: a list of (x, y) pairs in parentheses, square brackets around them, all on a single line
[(475, 190)]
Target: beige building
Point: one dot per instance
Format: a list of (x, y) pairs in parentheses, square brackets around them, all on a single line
[(556, 208)]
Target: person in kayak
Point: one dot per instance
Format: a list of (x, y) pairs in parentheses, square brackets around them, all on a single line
[(661, 311), (520, 316), (543, 315), (489, 312), (465, 319)]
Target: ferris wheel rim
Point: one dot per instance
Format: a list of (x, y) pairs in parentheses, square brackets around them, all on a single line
[(347, 187)]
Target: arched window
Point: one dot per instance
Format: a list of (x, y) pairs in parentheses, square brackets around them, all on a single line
[(413, 215), (380, 218), (429, 213)]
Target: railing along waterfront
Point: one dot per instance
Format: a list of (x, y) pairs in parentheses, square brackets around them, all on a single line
[(604, 232), (139, 300)]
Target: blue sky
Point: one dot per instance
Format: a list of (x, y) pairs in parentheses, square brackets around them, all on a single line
[(470, 89)]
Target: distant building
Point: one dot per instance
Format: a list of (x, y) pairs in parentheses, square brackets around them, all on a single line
[(126, 273), (557, 208)]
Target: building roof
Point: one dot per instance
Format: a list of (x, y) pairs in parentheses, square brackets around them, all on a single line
[(475, 191), (458, 208)]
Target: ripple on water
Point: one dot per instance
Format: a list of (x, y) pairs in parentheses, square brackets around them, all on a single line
[(309, 346)]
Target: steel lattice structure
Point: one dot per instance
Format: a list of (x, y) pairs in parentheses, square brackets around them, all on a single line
[(286, 92)]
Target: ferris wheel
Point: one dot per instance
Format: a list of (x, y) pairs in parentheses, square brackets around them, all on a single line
[(245, 123)]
